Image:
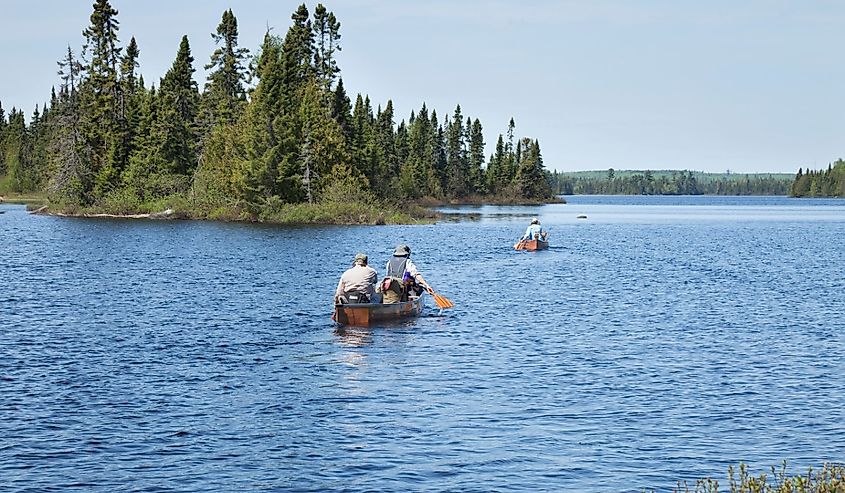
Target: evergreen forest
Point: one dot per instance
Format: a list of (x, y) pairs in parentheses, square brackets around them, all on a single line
[(667, 182), (821, 183), (266, 133)]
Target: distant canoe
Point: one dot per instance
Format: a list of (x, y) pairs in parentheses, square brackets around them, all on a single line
[(532, 245), (365, 314)]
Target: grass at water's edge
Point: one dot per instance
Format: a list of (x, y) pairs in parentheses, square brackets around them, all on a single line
[(179, 207), (339, 213), (30, 199), (830, 478)]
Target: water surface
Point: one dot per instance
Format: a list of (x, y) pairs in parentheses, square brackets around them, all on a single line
[(660, 339)]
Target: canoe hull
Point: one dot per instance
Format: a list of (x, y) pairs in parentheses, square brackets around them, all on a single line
[(366, 314), (533, 245)]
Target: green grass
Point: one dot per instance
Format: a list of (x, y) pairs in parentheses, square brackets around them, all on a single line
[(829, 479), (30, 199), (183, 207)]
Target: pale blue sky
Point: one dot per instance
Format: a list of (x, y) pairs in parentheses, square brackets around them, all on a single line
[(750, 86)]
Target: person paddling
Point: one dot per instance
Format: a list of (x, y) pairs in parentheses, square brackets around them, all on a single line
[(402, 277), (534, 231)]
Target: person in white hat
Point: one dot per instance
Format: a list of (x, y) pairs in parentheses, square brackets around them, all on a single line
[(534, 229)]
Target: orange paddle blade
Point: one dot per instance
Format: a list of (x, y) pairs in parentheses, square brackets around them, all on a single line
[(441, 301), (519, 245)]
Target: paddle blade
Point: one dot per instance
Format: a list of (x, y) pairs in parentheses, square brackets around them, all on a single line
[(443, 302), (440, 300), (519, 245)]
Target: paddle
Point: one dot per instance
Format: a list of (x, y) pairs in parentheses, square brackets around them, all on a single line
[(442, 301), (520, 245)]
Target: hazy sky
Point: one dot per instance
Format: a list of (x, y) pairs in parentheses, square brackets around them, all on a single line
[(750, 86)]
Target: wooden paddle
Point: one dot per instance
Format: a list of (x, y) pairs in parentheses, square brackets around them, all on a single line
[(442, 301), (520, 245)]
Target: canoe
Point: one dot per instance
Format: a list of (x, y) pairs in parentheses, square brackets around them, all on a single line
[(365, 314), (532, 245)]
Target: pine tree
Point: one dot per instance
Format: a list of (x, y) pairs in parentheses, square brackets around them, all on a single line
[(126, 118), (531, 180), (342, 110), (476, 157), (436, 155), (456, 160), (69, 165), (323, 144), (99, 102), (3, 126), (257, 181), (327, 42), (141, 178), (385, 142), (225, 95), (178, 102), (495, 168), (296, 59)]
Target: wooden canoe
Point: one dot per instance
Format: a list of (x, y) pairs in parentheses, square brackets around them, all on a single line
[(366, 314), (532, 245)]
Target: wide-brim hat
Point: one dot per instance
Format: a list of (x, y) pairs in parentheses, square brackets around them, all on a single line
[(401, 251)]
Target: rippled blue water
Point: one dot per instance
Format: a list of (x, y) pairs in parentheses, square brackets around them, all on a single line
[(660, 339)]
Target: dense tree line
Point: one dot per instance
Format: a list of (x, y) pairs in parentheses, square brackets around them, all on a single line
[(822, 183), (265, 130), (668, 183)]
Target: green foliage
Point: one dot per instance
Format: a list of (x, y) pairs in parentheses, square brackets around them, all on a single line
[(626, 182), (177, 107), (822, 183), (224, 99), (346, 187), (100, 94), (829, 479), (109, 142), (122, 201)]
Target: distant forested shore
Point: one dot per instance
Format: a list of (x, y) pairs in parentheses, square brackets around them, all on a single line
[(828, 182), (270, 136), (822, 183)]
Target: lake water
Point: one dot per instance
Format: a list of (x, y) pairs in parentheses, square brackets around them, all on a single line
[(659, 339)]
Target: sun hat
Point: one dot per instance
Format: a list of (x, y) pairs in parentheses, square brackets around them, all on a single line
[(535, 221), (360, 257), (402, 251)]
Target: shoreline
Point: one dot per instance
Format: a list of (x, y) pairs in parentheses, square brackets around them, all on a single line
[(351, 214)]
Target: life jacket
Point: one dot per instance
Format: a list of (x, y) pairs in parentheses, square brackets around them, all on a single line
[(396, 267), (395, 279)]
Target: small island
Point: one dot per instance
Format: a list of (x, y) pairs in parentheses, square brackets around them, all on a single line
[(270, 136)]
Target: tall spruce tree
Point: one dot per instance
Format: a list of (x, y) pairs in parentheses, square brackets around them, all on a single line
[(257, 181), (323, 145), (388, 165), (68, 166), (178, 101), (126, 118), (457, 175), (327, 42), (225, 94), (99, 101), (531, 180), (3, 126), (476, 157)]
